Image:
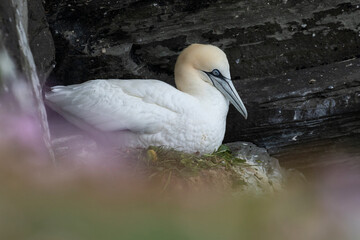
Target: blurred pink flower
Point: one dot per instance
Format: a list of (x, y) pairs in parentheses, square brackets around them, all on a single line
[(21, 132)]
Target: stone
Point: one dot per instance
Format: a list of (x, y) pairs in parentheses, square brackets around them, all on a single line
[(21, 90), (35, 23), (262, 172), (41, 41), (143, 38), (287, 110)]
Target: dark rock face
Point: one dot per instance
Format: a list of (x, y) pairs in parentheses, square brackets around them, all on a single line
[(300, 106), (141, 39), (320, 156), (23, 64), (287, 57), (41, 42), (8, 37)]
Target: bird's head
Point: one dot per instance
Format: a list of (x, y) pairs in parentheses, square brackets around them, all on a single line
[(202, 65)]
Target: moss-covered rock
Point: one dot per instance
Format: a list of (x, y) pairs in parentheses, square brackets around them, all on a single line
[(239, 167)]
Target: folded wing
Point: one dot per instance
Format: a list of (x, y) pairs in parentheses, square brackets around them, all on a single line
[(110, 105)]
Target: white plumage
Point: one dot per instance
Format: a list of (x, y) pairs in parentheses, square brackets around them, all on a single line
[(155, 113)]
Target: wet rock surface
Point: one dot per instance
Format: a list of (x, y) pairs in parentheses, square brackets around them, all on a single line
[(295, 63)]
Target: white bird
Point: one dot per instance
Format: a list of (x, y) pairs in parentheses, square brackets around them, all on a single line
[(191, 118)]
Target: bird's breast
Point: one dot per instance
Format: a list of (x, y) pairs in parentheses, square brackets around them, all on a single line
[(195, 130)]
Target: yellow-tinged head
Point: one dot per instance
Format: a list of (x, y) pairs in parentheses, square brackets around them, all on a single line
[(199, 66)]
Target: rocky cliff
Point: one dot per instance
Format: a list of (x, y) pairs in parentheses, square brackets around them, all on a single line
[(295, 63)]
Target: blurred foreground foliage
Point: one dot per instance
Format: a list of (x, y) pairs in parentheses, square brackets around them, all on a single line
[(87, 206), (40, 201)]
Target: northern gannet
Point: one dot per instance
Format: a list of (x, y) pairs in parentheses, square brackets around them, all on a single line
[(191, 118)]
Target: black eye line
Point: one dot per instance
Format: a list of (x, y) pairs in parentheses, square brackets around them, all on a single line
[(220, 74), (211, 73)]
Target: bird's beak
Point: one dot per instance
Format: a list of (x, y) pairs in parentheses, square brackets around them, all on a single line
[(226, 87)]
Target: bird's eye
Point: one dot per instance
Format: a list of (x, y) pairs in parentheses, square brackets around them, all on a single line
[(216, 73)]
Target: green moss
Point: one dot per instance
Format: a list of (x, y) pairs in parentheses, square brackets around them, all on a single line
[(162, 160)]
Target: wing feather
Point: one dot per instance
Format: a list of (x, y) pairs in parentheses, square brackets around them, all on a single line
[(110, 105)]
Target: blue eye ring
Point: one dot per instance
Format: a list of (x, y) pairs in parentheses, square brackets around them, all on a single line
[(216, 73)]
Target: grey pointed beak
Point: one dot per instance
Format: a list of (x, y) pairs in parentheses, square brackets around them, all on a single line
[(226, 87)]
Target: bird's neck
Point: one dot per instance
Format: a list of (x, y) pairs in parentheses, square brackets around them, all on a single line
[(209, 97)]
